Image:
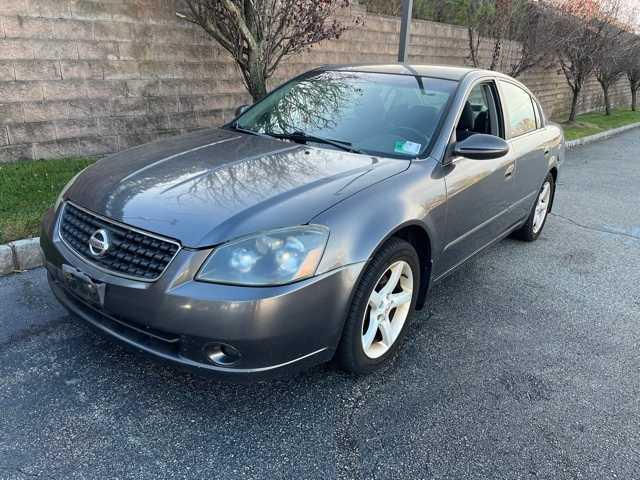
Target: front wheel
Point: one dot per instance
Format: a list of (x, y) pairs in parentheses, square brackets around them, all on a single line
[(531, 230), (382, 302)]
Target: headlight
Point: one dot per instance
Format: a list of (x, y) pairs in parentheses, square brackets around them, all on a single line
[(271, 258), (66, 187)]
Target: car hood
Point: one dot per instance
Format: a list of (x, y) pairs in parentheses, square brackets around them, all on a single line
[(213, 185)]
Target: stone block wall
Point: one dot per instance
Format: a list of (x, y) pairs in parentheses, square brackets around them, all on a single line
[(91, 77), (80, 77)]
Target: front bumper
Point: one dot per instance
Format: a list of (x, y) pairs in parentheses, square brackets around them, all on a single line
[(276, 330)]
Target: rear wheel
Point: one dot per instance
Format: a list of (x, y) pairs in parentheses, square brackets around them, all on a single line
[(531, 230), (381, 306)]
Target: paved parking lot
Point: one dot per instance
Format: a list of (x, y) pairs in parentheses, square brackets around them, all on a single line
[(526, 364)]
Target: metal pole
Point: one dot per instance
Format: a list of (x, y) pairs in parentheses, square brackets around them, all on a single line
[(405, 31)]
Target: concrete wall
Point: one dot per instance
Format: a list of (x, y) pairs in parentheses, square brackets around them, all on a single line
[(87, 77)]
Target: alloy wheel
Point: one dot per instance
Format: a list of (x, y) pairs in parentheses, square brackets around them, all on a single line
[(387, 309), (542, 207)]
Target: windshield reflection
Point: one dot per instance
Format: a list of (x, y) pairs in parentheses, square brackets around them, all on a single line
[(311, 106), (383, 114)]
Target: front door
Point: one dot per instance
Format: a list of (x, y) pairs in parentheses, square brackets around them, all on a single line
[(480, 193)]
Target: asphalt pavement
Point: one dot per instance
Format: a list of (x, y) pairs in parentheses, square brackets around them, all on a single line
[(525, 364)]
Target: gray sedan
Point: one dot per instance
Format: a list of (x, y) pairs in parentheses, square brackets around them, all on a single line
[(311, 226)]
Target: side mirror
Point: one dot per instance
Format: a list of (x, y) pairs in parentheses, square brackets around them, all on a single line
[(241, 109), (481, 147)]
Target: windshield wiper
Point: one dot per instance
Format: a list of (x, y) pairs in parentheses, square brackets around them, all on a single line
[(301, 137)]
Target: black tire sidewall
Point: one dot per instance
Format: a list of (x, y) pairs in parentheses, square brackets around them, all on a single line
[(526, 232), (549, 180), (350, 352)]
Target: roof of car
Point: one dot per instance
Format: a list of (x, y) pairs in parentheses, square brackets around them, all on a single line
[(446, 72)]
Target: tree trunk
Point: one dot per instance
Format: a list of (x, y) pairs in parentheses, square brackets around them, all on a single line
[(634, 98), (607, 99), (495, 58), (574, 105), (255, 77), (257, 86), (473, 48)]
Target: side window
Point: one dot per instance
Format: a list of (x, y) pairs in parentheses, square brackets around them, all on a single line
[(519, 109), (479, 114)]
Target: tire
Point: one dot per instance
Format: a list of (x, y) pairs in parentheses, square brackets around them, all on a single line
[(395, 255), (532, 229)]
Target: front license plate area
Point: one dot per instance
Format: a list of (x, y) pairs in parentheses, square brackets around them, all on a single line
[(83, 285)]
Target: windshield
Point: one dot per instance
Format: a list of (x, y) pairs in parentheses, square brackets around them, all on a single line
[(381, 114)]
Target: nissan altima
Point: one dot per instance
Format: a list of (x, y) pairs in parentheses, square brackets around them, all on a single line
[(311, 226)]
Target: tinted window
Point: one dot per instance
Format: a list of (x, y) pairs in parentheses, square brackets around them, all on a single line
[(393, 115), (478, 114), (519, 109)]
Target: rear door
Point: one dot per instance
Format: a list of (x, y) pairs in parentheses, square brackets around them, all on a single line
[(525, 134)]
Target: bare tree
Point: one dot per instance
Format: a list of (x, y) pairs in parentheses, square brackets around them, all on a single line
[(520, 34), (260, 33), (532, 39), (631, 64), (591, 28), (486, 18), (632, 68), (611, 63)]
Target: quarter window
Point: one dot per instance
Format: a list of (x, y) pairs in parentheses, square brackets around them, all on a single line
[(519, 107)]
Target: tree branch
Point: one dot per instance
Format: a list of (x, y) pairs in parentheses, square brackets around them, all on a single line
[(241, 24)]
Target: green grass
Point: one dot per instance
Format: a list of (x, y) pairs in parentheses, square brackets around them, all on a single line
[(597, 122), (27, 189)]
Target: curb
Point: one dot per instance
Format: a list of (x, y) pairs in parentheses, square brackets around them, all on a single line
[(20, 255), (600, 136)]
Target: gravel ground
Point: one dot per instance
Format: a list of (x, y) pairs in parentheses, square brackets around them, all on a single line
[(526, 364)]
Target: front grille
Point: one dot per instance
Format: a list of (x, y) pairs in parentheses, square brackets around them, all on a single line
[(132, 253)]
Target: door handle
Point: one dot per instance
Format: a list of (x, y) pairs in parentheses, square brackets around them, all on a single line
[(508, 173)]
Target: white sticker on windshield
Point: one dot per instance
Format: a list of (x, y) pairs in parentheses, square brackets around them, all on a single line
[(407, 147)]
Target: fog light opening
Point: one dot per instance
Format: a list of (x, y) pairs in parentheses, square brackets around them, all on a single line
[(222, 355)]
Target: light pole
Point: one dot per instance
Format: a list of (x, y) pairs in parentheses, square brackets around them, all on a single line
[(405, 31)]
